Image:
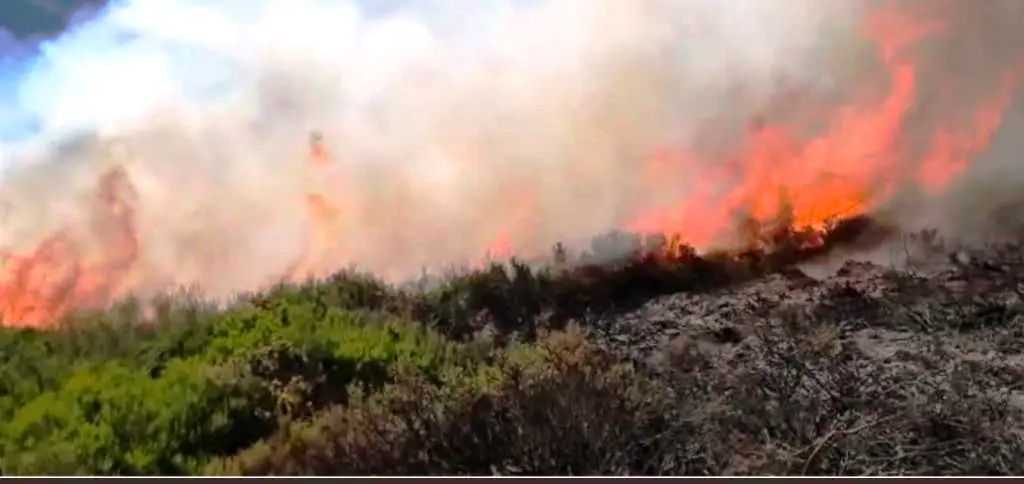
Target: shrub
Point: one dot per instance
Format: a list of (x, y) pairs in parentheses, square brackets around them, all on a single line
[(113, 419), (176, 396), (564, 407)]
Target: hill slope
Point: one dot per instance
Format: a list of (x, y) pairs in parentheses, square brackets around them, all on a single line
[(668, 363)]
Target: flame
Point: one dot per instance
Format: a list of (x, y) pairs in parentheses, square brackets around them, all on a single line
[(952, 148), (504, 245), (61, 274), (323, 215), (847, 170)]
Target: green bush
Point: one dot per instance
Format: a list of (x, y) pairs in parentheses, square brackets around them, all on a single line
[(563, 407), (164, 399), (114, 419)]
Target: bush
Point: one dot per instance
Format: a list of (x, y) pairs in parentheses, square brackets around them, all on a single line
[(334, 377), (113, 419), (564, 407), (163, 400)]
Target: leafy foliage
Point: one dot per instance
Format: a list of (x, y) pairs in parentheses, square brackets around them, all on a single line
[(561, 407), (161, 400)]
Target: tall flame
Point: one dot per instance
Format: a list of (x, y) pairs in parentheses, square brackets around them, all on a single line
[(848, 169), (323, 215)]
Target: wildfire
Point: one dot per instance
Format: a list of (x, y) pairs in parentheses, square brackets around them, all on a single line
[(323, 216), (848, 169), (780, 175), (61, 274)]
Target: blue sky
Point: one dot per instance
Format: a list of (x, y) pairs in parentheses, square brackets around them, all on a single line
[(25, 83), (23, 24)]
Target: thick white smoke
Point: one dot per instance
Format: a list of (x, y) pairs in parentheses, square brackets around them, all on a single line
[(450, 124), (447, 122)]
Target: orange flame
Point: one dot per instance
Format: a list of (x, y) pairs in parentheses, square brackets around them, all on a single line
[(59, 276), (952, 149), (323, 216), (847, 170)]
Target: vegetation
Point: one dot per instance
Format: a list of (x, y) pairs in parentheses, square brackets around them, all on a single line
[(494, 372)]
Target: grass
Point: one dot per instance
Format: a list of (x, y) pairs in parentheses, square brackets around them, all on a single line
[(498, 371)]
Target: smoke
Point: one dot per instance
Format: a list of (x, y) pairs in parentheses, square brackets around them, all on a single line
[(983, 51), (452, 127)]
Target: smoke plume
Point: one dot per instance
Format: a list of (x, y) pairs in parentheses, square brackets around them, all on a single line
[(269, 140)]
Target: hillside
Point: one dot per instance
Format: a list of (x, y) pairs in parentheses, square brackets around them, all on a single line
[(406, 189), (664, 363)]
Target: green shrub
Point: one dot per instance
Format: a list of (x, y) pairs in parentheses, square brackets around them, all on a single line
[(165, 399), (113, 419), (563, 407)]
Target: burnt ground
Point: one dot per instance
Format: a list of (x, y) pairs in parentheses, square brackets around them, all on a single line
[(868, 369)]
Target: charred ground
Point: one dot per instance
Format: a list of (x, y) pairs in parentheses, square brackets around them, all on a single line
[(658, 362)]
